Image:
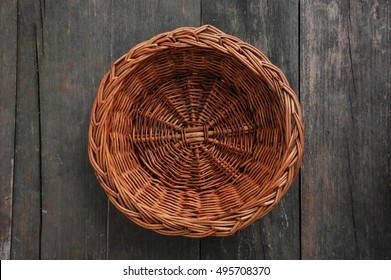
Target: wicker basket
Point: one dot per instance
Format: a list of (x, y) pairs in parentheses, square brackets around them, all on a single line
[(195, 133)]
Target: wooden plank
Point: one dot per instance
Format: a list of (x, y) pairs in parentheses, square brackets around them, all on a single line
[(26, 195), (272, 27), (134, 22), (75, 55), (345, 85), (8, 43)]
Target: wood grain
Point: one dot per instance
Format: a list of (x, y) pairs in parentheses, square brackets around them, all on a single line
[(75, 55), (272, 27), (132, 23), (8, 62), (54, 54), (345, 86), (27, 185)]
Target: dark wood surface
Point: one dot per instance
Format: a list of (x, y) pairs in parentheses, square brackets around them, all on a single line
[(75, 53), (336, 55), (8, 61), (345, 93), (27, 182)]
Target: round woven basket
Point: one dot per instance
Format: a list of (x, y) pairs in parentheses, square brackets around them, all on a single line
[(195, 132)]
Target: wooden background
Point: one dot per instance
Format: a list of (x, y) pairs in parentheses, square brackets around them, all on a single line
[(336, 55)]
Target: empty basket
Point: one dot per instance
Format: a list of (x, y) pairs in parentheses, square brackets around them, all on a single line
[(195, 132)]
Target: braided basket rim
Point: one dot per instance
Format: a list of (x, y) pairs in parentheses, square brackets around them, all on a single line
[(205, 37)]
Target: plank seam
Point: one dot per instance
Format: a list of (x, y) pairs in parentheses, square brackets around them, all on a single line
[(299, 96), (350, 54), (351, 115), (42, 7), (262, 242), (39, 139), (201, 19), (351, 197), (107, 200), (200, 249), (15, 125)]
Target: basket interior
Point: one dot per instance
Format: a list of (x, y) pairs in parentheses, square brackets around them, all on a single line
[(194, 133)]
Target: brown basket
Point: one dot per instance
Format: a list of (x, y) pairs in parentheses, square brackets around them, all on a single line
[(195, 133)]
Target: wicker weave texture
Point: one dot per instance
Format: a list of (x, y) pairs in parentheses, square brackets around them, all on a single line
[(195, 133)]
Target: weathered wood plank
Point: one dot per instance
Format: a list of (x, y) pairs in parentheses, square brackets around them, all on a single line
[(8, 43), (133, 22), (75, 55), (345, 89), (26, 195), (271, 26)]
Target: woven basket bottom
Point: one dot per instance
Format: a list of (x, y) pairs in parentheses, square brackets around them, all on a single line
[(194, 135)]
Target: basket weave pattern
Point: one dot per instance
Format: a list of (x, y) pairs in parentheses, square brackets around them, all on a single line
[(195, 133)]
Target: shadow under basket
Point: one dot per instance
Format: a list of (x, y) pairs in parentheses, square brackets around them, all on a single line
[(196, 133)]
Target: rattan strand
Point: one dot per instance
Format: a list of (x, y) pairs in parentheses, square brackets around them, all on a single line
[(195, 133)]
